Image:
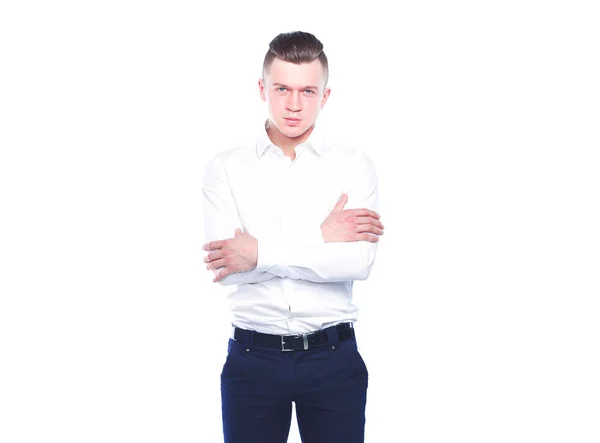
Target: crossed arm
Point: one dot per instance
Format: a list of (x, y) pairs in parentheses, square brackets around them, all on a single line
[(344, 251)]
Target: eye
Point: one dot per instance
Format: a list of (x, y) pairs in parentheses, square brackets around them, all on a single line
[(309, 91), (281, 89)]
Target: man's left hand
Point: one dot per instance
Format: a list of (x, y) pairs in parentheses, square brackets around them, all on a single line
[(236, 254)]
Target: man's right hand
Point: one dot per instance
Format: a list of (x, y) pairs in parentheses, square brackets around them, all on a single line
[(351, 224)]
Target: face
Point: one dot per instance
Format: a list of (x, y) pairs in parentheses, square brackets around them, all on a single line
[(295, 94)]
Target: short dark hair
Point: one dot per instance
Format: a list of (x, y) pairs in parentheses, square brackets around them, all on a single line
[(296, 47)]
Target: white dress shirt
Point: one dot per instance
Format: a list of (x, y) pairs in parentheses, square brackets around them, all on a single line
[(301, 283)]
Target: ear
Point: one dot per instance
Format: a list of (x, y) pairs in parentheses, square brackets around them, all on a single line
[(325, 97), (262, 89)]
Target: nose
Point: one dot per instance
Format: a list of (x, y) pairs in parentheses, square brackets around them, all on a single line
[(293, 103)]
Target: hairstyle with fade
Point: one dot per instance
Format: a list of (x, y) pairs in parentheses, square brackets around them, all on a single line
[(296, 47)]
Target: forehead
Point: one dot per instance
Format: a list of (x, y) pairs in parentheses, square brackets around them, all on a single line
[(292, 74)]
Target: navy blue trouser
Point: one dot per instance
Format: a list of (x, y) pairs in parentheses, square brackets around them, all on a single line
[(328, 385)]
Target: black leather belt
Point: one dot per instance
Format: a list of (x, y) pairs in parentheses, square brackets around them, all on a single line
[(298, 342)]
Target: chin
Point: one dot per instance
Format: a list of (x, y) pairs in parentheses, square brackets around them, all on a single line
[(295, 132)]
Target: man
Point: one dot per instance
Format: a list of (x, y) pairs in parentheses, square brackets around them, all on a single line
[(279, 237)]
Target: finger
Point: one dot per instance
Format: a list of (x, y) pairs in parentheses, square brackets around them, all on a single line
[(214, 245), (368, 237), (364, 212), (213, 256), (369, 228), (369, 221), (339, 206), (216, 264), (238, 231)]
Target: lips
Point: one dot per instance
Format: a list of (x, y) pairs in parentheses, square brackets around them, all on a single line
[(292, 122)]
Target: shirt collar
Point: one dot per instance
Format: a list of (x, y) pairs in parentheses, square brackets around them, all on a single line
[(315, 140)]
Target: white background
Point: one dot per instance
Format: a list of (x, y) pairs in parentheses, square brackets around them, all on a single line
[(480, 320)]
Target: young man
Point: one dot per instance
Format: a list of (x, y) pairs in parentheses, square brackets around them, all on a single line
[(279, 237)]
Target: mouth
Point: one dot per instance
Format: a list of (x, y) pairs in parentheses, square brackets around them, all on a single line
[(292, 121)]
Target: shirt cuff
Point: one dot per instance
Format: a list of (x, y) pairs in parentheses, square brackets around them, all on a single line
[(319, 235), (268, 255)]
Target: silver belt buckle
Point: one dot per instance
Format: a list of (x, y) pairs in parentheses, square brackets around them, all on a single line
[(304, 342), (283, 345)]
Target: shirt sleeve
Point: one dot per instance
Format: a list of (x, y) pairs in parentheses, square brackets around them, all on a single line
[(317, 260), (221, 219)]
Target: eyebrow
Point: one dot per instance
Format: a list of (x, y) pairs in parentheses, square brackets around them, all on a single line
[(286, 86)]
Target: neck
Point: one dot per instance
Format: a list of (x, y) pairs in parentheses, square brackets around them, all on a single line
[(287, 144)]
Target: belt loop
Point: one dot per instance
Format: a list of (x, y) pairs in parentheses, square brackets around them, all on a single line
[(332, 337)]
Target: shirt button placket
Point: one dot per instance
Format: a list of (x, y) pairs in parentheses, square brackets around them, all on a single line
[(284, 191)]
